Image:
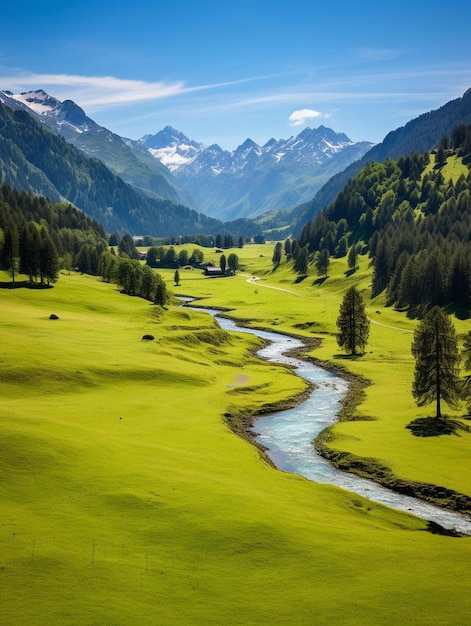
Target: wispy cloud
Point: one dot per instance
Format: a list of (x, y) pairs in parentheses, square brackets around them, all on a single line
[(95, 93)]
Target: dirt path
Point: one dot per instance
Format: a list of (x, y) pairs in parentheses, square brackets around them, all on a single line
[(254, 281), (404, 330)]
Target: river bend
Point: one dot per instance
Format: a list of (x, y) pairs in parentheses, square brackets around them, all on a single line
[(288, 435)]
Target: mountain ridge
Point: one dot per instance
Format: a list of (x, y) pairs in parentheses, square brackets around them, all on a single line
[(254, 179), (126, 159)]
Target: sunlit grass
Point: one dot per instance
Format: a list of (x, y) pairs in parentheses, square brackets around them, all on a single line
[(126, 499)]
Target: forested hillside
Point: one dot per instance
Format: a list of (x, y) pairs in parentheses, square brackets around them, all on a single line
[(413, 218), (35, 160), (38, 238), (420, 134)]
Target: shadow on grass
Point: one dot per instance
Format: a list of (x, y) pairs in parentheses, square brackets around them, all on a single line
[(320, 281), (300, 279), (437, 529), (347, 357), (23, 284), (435, 427)]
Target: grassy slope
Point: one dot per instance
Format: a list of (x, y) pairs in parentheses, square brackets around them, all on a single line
[(126, 499)]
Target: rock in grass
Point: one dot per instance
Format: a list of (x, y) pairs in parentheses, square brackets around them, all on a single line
[(53, 316)]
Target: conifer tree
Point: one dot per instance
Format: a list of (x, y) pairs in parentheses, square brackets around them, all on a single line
[(301, 262), (222, 263), (276, 258), (352, 322), (352, 257), (48, 258), (10, 252), (323, 262), (437, 361)]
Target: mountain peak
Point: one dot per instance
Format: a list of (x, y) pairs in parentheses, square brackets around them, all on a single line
[(38, 101), (166, 138)]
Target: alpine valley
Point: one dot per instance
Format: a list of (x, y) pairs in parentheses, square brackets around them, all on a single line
[(227, 186), (169, 185)]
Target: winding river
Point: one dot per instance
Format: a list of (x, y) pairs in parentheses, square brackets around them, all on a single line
[(288, 435)]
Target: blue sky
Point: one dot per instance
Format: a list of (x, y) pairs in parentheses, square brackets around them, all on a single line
[(222, 71)]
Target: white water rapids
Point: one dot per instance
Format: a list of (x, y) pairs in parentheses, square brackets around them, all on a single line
[(288, 435)]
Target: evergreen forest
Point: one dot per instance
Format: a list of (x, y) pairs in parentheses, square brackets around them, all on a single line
[(412, 216)]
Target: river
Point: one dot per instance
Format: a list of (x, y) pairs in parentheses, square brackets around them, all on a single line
[(288, 435)]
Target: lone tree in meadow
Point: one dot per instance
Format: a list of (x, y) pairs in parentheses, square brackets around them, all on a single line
[(176, 278), (233, 262), (353, 323), (437, 361), (223, 263)]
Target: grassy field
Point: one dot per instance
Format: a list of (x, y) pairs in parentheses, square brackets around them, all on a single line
[(126, 499)]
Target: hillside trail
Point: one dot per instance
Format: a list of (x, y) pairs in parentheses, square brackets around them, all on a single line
[(255, 280)]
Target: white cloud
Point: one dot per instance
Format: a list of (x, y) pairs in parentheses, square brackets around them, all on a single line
[(302, 116)]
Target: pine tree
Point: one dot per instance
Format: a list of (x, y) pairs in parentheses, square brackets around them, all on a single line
[(160, 296), (323, 262), (276, 258), (352, 322), (301, 262), (466, 385), (10, 252), (287, 247), (437, 361), (222, 263), (48, 258), (352, 257)]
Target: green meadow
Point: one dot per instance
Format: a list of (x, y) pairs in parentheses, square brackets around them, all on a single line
[(127, 499)]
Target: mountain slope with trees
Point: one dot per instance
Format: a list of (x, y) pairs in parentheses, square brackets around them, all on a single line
[(413, 217), (35, 160), (420, 134), (125, 158)]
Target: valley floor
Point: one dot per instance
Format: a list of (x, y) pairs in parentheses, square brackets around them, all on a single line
[(126, 499)]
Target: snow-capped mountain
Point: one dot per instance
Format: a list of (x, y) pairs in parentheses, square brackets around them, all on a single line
[(254, 179), (127, 159)]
